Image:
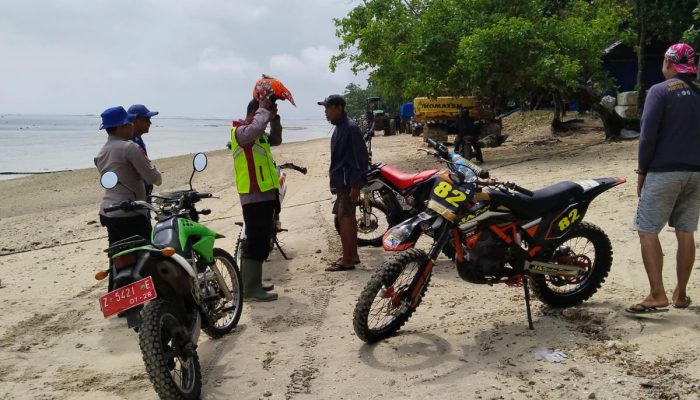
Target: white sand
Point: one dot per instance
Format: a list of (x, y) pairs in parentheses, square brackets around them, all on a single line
[(465, 341)]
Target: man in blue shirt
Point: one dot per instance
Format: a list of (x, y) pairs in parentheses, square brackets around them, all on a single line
[(142, 123), (348, 170)]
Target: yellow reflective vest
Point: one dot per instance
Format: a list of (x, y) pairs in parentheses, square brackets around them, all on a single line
[(257, 158)]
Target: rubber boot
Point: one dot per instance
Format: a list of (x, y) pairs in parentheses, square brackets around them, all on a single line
[(251, 271)]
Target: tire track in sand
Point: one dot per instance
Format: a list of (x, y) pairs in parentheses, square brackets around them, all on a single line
[(303, 375)]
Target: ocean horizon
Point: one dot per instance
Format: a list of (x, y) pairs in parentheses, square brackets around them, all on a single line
[(37, 143)]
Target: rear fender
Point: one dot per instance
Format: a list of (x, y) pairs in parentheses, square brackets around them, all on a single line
[(593, 187), (562, 221), (404, 235), (170, 273)]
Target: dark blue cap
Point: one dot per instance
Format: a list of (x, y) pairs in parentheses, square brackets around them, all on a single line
[(141, 111), (333, 100), (115, 116)]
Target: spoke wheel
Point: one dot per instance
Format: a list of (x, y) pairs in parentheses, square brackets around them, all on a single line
[(224, 313), (170, 359), (385, 303), (372, 223), (585, 246)]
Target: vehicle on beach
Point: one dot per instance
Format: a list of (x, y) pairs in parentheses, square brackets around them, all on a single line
[(389, 197), (171, 286), (501, 233)]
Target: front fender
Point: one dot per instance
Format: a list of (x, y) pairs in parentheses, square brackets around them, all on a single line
[(405, 235)]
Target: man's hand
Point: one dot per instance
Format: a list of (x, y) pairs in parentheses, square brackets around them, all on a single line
[(273, 111), (640, 183), (265, 103), (354, 194)]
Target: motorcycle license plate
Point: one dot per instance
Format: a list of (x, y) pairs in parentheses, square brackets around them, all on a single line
[(127, 297)]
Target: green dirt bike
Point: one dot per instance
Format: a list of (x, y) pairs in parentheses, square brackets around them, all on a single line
[(186, 283)]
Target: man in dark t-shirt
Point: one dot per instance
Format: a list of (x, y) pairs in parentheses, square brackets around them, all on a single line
[(668, 176)]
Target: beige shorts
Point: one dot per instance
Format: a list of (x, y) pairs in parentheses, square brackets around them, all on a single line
[(343, 206)]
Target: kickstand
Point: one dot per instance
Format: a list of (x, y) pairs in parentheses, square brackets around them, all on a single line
[(277, 243), (527, 305)]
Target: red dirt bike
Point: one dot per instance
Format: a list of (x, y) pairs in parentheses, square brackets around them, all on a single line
[(503, 234), (390, 197)]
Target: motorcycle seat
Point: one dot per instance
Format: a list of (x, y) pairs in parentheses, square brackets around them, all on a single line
[(544, 200), (402, 180)]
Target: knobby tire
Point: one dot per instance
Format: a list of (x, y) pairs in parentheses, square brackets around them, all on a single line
[(595, 277), (235, 285), (388, 276), (160, 321)]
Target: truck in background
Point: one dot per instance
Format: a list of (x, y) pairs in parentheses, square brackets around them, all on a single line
[(438, 114)]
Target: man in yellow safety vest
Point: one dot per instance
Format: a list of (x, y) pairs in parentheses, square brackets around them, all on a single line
[(257, 183)]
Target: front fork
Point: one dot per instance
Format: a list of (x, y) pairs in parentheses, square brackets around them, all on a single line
[(420, 279)]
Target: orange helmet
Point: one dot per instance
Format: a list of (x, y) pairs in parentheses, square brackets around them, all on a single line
[(269, 86)]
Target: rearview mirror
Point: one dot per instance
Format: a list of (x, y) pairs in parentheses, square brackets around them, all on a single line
[(199, 162), (109, 180)]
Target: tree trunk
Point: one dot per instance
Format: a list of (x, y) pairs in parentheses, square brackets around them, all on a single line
[(556, 120), (641, 52)]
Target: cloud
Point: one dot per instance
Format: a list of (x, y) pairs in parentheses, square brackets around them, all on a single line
[(214, 61), (186, 58), (311, 62)]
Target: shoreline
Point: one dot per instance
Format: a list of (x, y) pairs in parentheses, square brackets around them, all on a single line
[(9, 175)]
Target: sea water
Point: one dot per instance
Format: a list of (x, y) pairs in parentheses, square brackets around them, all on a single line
[(44, 143)]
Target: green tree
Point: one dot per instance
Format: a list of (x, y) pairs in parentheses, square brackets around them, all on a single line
[(658, 21)]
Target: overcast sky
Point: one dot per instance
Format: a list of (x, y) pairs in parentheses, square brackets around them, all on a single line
[(193, 58)]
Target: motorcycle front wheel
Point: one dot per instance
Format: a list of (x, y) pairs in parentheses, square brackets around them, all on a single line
[(170, 358), (372, 223), (225, 313), (585, 246), (385, 303)]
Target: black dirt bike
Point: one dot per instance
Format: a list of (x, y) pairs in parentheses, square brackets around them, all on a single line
[(502, 233), (171, 286)]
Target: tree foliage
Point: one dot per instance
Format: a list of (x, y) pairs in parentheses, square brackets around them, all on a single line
[(501, 49), (497, 49)]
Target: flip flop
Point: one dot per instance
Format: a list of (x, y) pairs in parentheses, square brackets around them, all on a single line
[(685, 304), (358, 262), (640, 308), (334, 267)]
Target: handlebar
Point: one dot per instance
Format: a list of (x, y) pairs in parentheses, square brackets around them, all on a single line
[(188, 196), (289, 165), (444, 153), (508, 185), (131, 205)]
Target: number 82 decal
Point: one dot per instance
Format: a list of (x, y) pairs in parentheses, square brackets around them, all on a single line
[(566, 221), (444, 189)]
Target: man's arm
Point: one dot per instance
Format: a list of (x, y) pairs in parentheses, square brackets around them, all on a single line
[(651, 122), (142, 164), (246, 134), (359, 158), (275, 129)]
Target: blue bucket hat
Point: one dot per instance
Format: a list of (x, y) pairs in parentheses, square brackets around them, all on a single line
[(115, 116), (141, 111)]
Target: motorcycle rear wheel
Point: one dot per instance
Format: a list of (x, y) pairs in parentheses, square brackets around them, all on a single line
[(173, 370), (372, 223), (382, 307), (232, 275), (586, 245)]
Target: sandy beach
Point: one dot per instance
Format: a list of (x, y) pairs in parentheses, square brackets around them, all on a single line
[(465, 341)]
